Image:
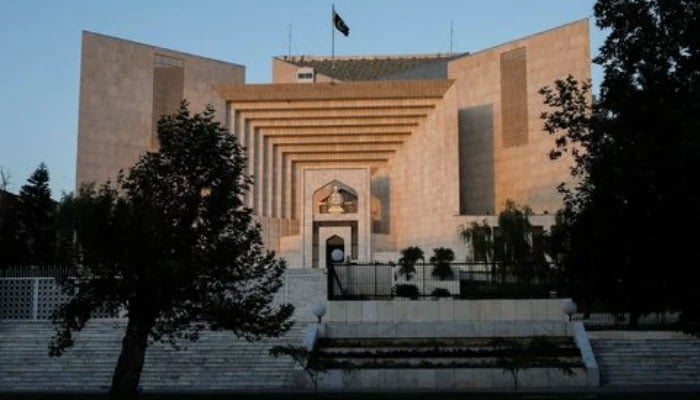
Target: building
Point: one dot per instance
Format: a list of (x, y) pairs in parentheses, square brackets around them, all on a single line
[(366, 155), (125, 87)]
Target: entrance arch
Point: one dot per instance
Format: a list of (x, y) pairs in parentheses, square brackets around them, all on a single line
[(335, 250)]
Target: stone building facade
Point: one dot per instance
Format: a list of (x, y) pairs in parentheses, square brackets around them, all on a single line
[(125, 87), (367, 154)]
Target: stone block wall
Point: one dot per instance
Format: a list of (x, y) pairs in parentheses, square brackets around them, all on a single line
[(446, 310), (117, 83), (504, 151), (424, 177)]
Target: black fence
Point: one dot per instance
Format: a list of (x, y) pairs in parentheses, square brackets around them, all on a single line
[(466, 281), (38, 271)]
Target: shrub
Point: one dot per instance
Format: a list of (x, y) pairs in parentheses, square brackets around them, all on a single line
[(441, 292), (441, 259), (410, 291), (408, 260)]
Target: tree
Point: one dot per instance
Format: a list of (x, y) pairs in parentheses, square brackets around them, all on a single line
[(306, 359), (5, 178), (9, 240), (441, 259), (173, 245), (480, 236), (35, 219), (511, 243), (514, 356), (516, 243), (408, 260), (630, 214)]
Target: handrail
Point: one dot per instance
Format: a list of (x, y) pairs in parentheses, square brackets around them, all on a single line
[(331, 271)]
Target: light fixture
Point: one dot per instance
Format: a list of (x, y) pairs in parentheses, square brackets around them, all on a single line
[(319, 310), (570, 309)]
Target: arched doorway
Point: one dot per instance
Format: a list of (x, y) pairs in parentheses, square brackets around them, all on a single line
[(335, 250)]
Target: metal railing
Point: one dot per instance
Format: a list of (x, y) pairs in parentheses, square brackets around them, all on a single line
[(39, 271), (467, 281)]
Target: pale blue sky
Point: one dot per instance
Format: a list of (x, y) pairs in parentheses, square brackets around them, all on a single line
[(40, 48)]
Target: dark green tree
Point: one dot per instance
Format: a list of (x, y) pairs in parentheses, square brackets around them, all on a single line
[(480, 237), (174, 246), (307, 359), (11, 248), (441, 260), (631, 212), (409, 258), (509, 245), (539, 352), (65, 223), (36, 211)]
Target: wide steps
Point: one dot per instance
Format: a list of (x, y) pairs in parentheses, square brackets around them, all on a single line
[(648, 361), (218, 361)]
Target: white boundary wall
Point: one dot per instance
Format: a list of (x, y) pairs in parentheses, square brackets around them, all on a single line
[(400, 310)]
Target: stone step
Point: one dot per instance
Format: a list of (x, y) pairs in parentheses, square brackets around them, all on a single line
[(648, 361), (218, 360)]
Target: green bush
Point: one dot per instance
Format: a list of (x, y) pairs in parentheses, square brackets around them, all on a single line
[(441, 259), (441, 292), (408, 260), (410, 291)]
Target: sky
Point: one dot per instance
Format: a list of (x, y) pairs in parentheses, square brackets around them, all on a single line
[(40, 48)]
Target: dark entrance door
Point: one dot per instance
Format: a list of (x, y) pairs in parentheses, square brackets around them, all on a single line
[(335, 250)]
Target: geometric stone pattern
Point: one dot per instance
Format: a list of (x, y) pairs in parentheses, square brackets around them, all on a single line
[(49, 297), (124, 86), (496, 164), (33, 298), (514, 97), (168, 89), (16, 298)]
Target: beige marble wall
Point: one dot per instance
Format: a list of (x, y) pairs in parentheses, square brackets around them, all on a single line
[(492, 172), (424, 180), (116, 96)]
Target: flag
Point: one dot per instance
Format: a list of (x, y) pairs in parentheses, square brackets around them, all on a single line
[(340, 24)]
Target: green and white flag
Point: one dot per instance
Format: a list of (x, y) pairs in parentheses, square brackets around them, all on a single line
[(340, 24)]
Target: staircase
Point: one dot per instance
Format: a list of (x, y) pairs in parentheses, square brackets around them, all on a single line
[(218, 361), (643, 361)]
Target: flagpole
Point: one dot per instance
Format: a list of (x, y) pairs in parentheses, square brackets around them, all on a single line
[(332, 41)]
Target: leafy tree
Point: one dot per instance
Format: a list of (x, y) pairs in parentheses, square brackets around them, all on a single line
[(514, 243), (65, 223), (480, 236), (631, 211), (5, 178), (310, 361), (441, 259), (509, 245), (307, 359), (10, 243), (408, 260), (172, 244), (515, 356)]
